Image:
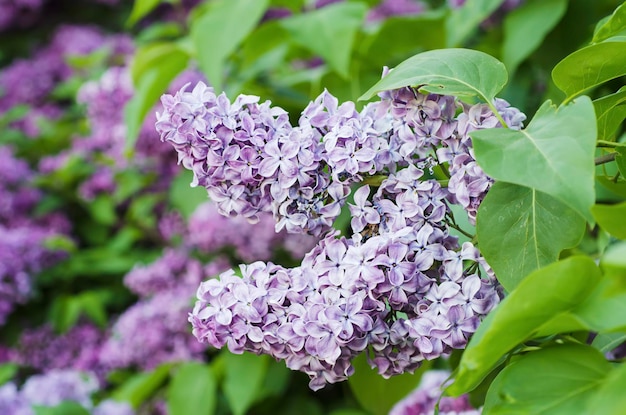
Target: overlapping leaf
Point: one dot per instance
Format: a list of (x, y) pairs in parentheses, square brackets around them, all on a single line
[(521, 230), (541, 296), (526, 27), (329, 32), (460, 72), (557, 380), (589, 67), (554, 154), (218, 31)]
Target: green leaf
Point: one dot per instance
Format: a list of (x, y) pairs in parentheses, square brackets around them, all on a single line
[(521, 230), (611, 218), (605, 342), (219, 30), (526, 27), (329, 32), (102, 209), (589, 67), (460, 72), (391, 44), (243, 380), (610, 113), (544, 294), (614, 25), (553, 381), (185, 198), (604, 310), (376, 394), (7, 371), (140, 9), (609, 399), (620, 160), (192, 390), (554, 154), (142, 386), (153, 70), (463, 21), (64, 408)]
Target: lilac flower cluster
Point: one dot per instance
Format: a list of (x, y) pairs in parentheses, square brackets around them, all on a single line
[(252, 160), (397, 290), (423, 399), (401, 289), (154, 330), (388, 8), (16, 13), (422, 123), (31, 81), (209, 232), (44, 350), (52, 389)]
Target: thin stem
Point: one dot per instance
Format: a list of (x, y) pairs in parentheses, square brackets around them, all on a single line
[(606, 158), (609, 144), (497, 114), (458, 228)]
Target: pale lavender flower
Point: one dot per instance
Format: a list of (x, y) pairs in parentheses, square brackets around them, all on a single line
[(423, 399)]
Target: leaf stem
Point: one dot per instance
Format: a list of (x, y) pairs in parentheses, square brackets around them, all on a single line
[(609, 144), (493, 108), (606, 158)]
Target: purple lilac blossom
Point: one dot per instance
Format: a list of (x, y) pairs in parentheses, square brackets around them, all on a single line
[(44, 350), (151, 332), (18, 13), (111, 407), (30, 81), (155, 330), (57, 386), (423, 399), (209, 231), (12, 402), (389, 8), (401, 289), (251, 160), (344, 298)]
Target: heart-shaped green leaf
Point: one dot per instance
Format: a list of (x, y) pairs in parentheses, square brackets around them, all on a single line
[(554, 154), (460, 72)]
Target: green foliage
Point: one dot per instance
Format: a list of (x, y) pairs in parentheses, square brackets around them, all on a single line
[(521, 230), (556, 380), (543, 295), (141, 386), (153, 68), (613, 26), (610, 113), (140, 9), (219, 29), (377, 394), (447, 72), (589, 67), (243, 380), (466, 19), (611, 218), (64, 408), (329, 32), (193, 389), (526, 27), (557, 144)]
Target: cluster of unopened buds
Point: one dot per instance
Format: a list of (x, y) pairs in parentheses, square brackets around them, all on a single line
[(401, 288)]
